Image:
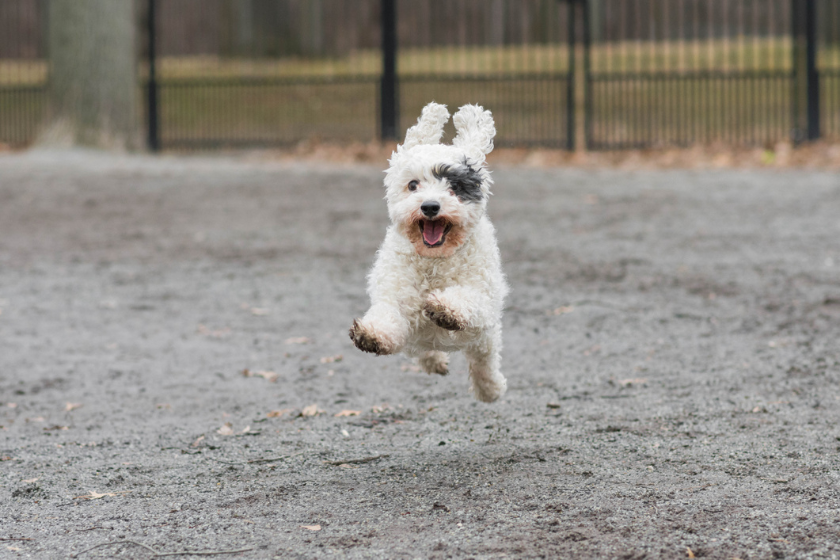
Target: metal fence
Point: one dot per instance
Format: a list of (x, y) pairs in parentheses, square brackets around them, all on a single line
[(664, 72), (277, 71), (614, 73)]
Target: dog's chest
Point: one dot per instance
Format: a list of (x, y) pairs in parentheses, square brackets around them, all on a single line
[(439, 274)]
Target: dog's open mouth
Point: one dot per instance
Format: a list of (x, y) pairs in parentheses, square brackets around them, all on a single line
[(434, 232)]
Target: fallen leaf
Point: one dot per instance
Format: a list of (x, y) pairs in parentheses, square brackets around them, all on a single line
[(13, 548), (196, 442), (636, 381), (269, 376), (72, 406), (380, 408), (259, 311), (311, 527), (561, 310), (29, 480), (347, 413), (331, 359), (297, 340), (553, 405), (6, 458), (689, 552), (279, 413), (226, 430), (56, 427), (345, 433), (311, 410), (97, 495)]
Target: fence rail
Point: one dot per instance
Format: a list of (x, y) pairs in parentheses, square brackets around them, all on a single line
[(613, 73)]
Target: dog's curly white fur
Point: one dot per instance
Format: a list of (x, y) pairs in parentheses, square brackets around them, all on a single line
[(437, 285)]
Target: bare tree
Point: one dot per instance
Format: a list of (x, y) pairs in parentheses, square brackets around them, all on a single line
[(93, 74)]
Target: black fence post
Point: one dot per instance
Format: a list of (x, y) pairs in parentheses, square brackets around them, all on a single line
[(813, 77), (388, 87), (571, 129), (587, 76), (152, 86)]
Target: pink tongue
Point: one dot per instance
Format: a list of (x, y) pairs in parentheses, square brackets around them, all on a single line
[(433, 231)]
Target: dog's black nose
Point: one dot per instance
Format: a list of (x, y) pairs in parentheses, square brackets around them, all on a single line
[(430, 208)]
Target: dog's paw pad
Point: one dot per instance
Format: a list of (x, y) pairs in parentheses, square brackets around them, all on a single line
[(365, 341), (442, 317)]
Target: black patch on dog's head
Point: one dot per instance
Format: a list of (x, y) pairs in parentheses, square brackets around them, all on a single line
[(464, 181)]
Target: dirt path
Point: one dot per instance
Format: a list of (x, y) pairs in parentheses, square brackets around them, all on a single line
[(671, 350)]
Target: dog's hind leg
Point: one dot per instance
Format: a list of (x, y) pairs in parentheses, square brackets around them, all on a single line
[(434, 361), (486, 380)]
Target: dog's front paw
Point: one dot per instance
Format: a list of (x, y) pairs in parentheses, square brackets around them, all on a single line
[(443, 316), (367, 341)]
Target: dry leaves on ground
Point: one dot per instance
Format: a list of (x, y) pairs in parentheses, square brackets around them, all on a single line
[(635, 381), (226, 430), (269, 376), (347, 413), (311, 410), (311, 527), (297, 340), (97, 495), (72, 406), (331, 359), (560, 310), (279, 413)]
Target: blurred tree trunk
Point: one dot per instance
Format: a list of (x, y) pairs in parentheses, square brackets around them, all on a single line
[(93, 74)]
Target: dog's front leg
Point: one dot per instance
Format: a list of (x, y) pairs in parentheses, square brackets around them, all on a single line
[(459, 308), (382, 330)]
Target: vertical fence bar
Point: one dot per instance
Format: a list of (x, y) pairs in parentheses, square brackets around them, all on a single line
[(570, 80), (813, 77), (152, 91), (388, 88), (587, 76)]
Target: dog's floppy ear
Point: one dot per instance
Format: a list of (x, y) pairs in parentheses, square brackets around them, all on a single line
[(475, 132), (429, 127)]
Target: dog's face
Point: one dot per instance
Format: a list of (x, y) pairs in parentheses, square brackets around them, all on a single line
[(437, 193)]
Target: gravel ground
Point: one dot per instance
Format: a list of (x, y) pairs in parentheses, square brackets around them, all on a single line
[(671, 352)]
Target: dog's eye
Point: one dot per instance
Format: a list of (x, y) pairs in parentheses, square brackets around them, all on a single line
[(412, 186)]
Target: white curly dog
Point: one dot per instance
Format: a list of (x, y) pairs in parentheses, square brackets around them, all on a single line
[(437, 285)]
